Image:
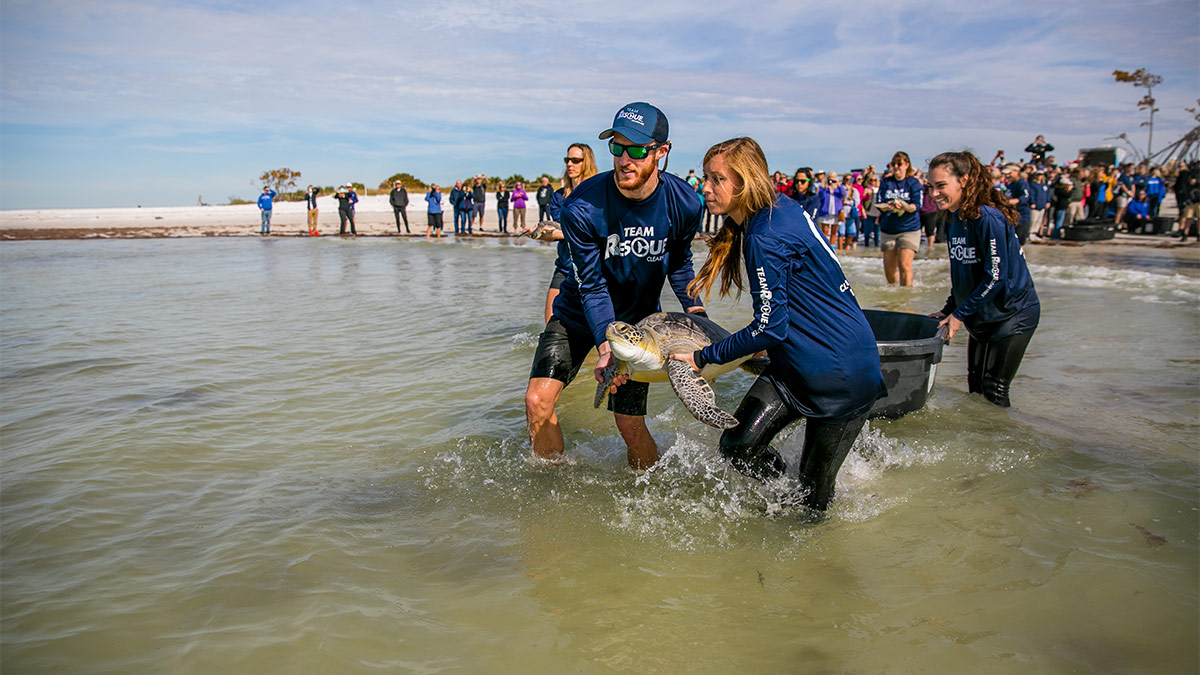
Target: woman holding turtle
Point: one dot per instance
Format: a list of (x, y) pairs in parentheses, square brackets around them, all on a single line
[(824, 361)]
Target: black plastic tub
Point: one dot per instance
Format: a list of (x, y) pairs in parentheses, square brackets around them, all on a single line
[(910, 347), (1090, 230)]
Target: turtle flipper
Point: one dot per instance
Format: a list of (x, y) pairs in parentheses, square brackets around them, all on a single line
[(610, 373), (756, 366), (698, 396)]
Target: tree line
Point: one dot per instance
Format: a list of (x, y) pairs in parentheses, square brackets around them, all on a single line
[(284, 181)]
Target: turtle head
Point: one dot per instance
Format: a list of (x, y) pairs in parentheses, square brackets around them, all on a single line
[(634, 345)]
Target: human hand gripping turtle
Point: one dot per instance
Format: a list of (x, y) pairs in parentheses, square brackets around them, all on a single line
[(610, 372), (659, 347)]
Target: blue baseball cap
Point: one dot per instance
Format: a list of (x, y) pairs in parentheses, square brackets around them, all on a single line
[(641, 123)]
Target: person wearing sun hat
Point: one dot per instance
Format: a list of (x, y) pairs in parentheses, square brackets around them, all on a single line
[(628, 232)]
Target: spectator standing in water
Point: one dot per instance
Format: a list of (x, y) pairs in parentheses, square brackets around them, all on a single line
[(518, 208), (991, 291), (1037, 150), (898, 198), (398, 198), (871, 211), (264, 207), (848, 226), (310, 198), (829, 209), (502, 197), (544, 194), (434, 199), (824, 360), (628, 231)]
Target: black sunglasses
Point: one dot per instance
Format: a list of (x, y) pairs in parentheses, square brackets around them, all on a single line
[(572, 160), (634, 151)]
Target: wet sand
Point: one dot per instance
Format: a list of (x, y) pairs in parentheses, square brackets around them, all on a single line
[(374, 218)]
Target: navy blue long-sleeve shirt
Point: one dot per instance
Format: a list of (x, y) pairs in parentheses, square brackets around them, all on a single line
[(907, 190), (562, 263), (824, 360), (991, 292), (1019, 190), (622, 251)]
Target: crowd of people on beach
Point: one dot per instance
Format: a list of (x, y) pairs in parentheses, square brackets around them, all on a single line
[(853, 208)]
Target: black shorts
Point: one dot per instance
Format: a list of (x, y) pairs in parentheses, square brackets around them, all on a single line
[(560, 353), (435, 221), (559, 277)]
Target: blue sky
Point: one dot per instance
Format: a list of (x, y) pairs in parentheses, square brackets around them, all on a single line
[(124, 102)]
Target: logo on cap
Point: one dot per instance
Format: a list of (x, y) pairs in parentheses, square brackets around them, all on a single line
[(632, 116)]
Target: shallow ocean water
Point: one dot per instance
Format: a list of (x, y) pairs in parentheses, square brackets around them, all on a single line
[(291, 455)]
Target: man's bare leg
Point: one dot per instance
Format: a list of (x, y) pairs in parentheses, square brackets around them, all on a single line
[(540, 398), (641, 448)]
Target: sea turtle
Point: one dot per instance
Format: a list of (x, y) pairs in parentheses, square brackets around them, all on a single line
[(542, 231), (642, 349)]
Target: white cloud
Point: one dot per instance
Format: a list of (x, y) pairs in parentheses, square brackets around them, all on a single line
[(818, 80)]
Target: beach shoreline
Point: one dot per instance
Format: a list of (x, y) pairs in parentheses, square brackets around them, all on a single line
[(373, 218)]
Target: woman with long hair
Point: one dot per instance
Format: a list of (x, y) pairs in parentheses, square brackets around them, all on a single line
[(991, 292), (580, 165), (824, 361), (898, 199), (805, 191)]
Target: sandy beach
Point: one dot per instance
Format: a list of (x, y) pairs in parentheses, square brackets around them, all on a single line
[(373, 218)]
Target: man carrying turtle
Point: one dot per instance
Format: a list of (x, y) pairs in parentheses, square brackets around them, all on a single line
[(627, 230)]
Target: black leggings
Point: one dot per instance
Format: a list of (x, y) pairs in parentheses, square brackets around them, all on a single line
[(761, 415), (992, 365)]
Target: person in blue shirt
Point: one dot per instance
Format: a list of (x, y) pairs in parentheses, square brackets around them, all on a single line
[(1156, 189), (1039, 199), (1137, 213), (991, 291), (628, 232), (1019, 196), (580, 165), (456, 202), (805, 191), (264, 206), (434, 199), (346, 199), (898, 199), (824, 361)]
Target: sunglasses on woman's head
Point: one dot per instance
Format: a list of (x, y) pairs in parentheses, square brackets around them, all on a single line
[(572, 160), (634, 151)]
